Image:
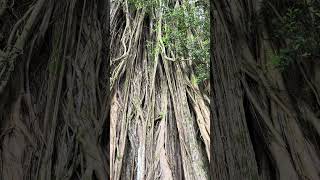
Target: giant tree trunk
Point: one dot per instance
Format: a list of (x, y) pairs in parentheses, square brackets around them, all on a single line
[(261, 129), (159, 118), (53, 93)]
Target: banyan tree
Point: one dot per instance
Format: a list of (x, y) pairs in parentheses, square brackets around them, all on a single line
[(159, 89), (159, 108), (54, 89), (265, 89)]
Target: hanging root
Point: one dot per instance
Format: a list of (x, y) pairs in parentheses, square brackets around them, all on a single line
[(54, 106), (274, 121), (159, 119)]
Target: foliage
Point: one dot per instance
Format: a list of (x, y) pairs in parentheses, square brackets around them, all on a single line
[(148, 5), (185, 31), (283, 59), (300, 26)]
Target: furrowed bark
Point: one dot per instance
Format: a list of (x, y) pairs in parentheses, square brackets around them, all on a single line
[(274, 118), (156, 115), (51, 92)]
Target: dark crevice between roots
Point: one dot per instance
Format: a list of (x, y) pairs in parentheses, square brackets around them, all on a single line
[(258, 141)]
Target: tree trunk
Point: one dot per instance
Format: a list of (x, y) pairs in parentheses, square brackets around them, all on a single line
[(259, 126), (159, 118), (53, 91)]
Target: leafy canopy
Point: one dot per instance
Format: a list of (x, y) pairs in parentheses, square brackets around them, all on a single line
[(300, 25), (185, 30)]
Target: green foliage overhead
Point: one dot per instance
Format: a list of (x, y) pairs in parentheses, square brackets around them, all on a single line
[(149, 5), (300, 26), (185, 30)]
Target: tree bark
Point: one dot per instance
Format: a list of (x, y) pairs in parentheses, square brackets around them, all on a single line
[(279, 145), (159, 119), (53, 106)]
